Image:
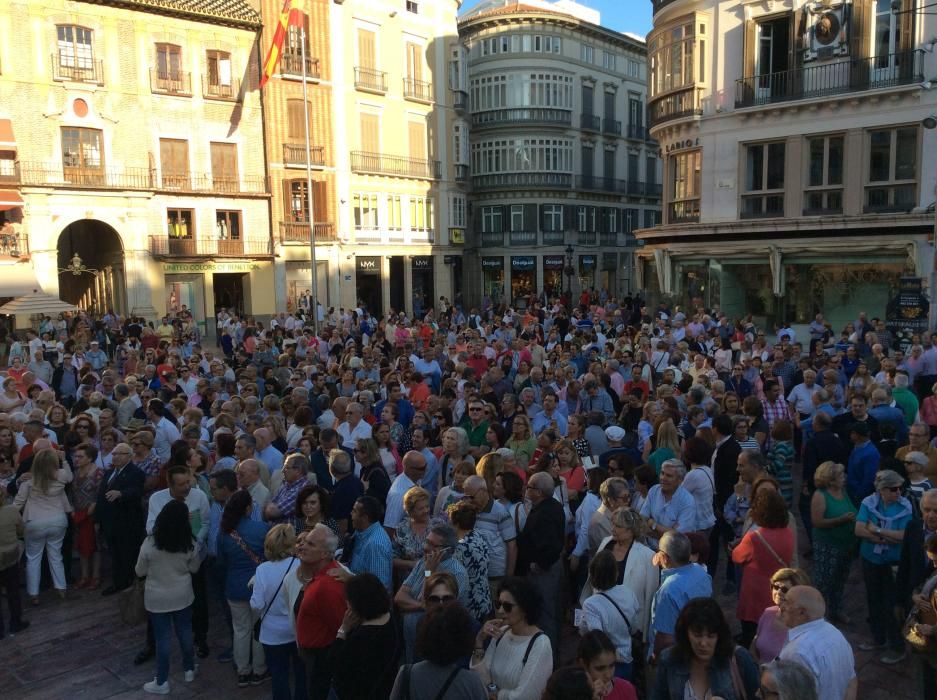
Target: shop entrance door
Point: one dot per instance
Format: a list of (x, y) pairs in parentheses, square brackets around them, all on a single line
[(229, 291)]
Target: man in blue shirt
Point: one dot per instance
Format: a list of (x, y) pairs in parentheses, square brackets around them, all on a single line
[(550, 415), (669, 506), (371, 549), (863, 463), (681, 581)]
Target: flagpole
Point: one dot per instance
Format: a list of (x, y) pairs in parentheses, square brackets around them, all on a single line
[(312, 228)]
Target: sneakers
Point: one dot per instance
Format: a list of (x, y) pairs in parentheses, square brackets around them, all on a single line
[(893, 656), (244, 680), (156, 688), (871, 646), (259, 678), (190, 675)]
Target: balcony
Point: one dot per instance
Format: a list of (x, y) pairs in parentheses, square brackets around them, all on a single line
[(77, 70), (637, 188), (214, 91), (291, 66), (587, 238), (298, 232), (500, 181), (523, 238), (370, 80), (546, 116), (395, 166), (554, 238), (595, 183), (611, 126), (164, 246), (590, 122), (826, 79), (417, 90), (637, 132), (147, 179), (684, 211), (461, 172), (679, 104), (179, 84), (13, 244), (294, 155), (491, 239), (460, 100)]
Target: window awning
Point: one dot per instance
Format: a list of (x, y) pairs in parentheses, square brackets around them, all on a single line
[(10, 199), (7, 142), (17, 279)]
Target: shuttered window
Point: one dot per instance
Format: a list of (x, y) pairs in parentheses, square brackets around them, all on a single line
[(224, 166), (417, 139), (367, 52), (414, 61), (297, 206), (169, 62), (294, 120), (174, 162), (370, 133)]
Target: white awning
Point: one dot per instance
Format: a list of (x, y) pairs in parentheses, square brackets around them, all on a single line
[(17, 279)]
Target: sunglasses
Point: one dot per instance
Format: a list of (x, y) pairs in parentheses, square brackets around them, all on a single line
[(504, 605), (782, 587), (475, 410), (440, 599)]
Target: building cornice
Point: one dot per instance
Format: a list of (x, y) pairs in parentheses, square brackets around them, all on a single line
[(237, 14), (472, 25)]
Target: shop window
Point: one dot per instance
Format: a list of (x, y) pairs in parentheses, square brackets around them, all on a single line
[(180, 223), (824, 193), (228, 225), (764, 180), (365, 208), (892, 173)]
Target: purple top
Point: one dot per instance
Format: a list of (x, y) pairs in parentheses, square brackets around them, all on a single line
[(771, 635)]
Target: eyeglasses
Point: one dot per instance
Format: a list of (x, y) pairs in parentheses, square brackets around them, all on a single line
[(781, 587), (440, 599), (893, 489), (504, 605), (475, 409)]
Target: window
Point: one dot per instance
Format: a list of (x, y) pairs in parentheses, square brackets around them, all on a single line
[(421, 213), (608, 60), (491, 220), (413, 7), (367, 49), (297, 201), (609, 221), (82, 154), (416, 137), (588, 99), (764, 180), (650, 218), (586, 53), (552, 215), (634, 69), (522, 155), (294, 120), (414, 61), (228, 225), (517, 217), (168, 63), (293, 48), (673, 54), (180, 223), (685, 186), (892, 183), (521, 89), (460, 143), (457, 211), (218, 79), (650, 170), (609, 105), (174, 162), (75, 53), (224, 166), (608, 164), (370, 133), (587, 156), (630, 219), (586, 219), (394, 217), (824, 193), (365, 206)]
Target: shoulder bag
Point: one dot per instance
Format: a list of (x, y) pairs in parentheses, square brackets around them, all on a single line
[(780, 561), (637, 647), (243, 545), (737, 683), (131, 603), (260, 621)]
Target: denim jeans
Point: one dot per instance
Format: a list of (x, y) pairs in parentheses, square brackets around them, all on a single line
[(282, 661), (163, 624)]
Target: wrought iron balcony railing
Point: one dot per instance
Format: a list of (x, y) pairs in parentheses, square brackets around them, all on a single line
[(396, 166), (77, 70), (298, 231), (370, 79)]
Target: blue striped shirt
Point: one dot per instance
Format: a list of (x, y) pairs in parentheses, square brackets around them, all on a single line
[(373, 553)]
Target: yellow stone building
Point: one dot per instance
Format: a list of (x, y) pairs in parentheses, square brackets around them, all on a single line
[(131, 137)]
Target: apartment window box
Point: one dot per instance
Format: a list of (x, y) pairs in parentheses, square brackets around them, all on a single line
[(171, 83), (523, 115), (291, 66), (496, 181), (461, 172), (370, 80), (460, 100), (684, 212), (598, 183), (637, 132), (294, 155), (590, 122), (611, 126), (417, 90), (492, 239)]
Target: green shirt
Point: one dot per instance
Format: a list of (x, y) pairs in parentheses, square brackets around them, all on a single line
[(476, 436), (842, 536)]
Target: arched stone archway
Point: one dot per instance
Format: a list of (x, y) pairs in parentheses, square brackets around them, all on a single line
[(91, 267)]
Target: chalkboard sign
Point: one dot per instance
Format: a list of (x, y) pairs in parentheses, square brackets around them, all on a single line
[(908, 311)]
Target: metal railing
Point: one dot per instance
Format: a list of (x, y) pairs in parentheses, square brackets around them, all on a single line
[(522, 115), (461, 172), (680, 104), (523, 237), (611, 126), (590, 122), (167, 246), (292, 65), (13, 245), (492, 238), (77, 70), (597, 183), (370, 79), (169, 83), (608, 239), (638, 132), (294, 155), (216, 91), (397, 166), (460, 100), (684, 211), (298, 231), (57, 175), (554, 238), (644, 189), (825, 79), (495, 181), (418, 90), (587, 238)]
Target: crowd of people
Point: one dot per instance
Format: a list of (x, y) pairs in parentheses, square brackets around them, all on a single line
[(438, 507)]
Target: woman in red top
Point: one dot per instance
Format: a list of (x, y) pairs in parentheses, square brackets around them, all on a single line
[(596, 655), (764, 549), (571, 468)]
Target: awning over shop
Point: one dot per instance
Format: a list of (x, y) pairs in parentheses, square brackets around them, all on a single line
[(7, 142), (10, 199), (17, 279)]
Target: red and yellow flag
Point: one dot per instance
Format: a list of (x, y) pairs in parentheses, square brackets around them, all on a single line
[(288, 16)]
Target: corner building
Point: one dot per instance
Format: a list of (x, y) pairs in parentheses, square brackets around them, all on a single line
[(562, 168), (798, 171), (131, 137)]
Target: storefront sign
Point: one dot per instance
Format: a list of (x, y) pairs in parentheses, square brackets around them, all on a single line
[(553, 262), (422, 262), (586, 262), (457, 236), (176, 268), (523, 262), (680, 145), (907, 312), (370, 265), (492, 263)]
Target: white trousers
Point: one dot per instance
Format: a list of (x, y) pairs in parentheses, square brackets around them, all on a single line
[(46, 534)]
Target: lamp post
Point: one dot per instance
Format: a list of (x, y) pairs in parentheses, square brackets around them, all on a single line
[(570, 271)]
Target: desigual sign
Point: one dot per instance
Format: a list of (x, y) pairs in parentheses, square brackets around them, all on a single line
[(170, 268), (492, 263)]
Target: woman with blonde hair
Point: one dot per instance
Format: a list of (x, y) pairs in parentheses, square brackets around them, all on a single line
[(771, 633), (455, 448), (833, 516), (521, 441), (412, 530), (666, 444), (488, 467), (270, 608), (42, 501)]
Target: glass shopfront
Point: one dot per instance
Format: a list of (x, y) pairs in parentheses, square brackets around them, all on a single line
[(421, 270), (553, 275), (493, 278), (523, 279), (368, 285), (587, 266)]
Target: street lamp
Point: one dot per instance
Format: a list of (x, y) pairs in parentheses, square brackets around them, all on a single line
[(570, 271)]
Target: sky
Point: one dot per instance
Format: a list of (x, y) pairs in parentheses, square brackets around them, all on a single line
[(621, 15)]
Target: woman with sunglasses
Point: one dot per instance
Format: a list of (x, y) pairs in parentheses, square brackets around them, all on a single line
[(772, 634), (880, 525), (518, 657)]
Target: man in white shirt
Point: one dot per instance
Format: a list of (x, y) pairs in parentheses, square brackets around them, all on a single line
[(818, 645), (354, 427), (165, 430), (248, 476), (414, 468)]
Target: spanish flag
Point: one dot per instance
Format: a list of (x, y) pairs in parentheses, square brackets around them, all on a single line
[(288, 16)]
